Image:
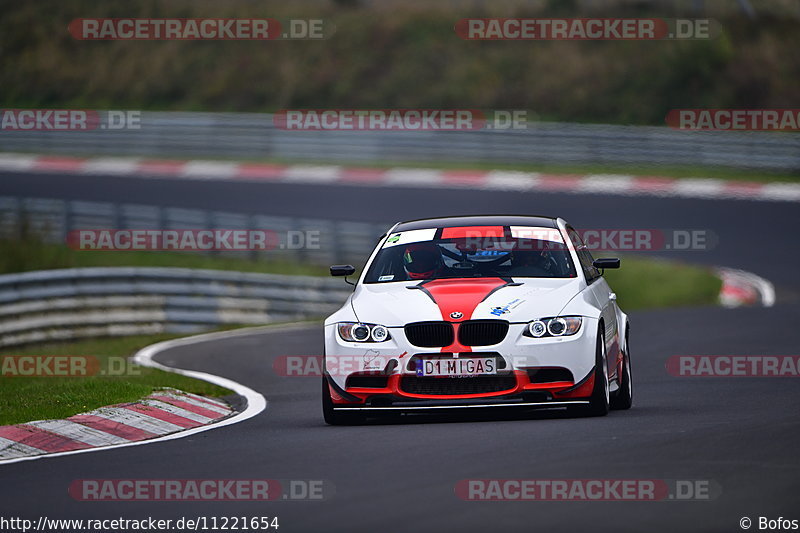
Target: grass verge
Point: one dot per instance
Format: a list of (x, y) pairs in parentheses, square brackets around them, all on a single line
[(23, 399), (30, 253), (643, 283)]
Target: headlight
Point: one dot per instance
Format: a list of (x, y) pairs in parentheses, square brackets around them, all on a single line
[(537, 328), (358, 332), (559, 326), (379, 333)]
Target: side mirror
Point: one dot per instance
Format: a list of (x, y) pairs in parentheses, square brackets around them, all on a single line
[(343, 270), (609, 262)]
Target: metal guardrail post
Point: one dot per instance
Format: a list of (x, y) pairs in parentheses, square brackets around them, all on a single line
[(119, 223), (66, 220), (251, 223)]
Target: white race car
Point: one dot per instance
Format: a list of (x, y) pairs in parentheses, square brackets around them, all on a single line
[(478, 311)]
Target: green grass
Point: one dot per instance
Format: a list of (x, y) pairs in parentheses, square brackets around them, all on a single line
[(23, 399), (643, 283)]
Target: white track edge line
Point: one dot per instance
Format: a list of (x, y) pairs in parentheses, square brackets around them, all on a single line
[(256, 402)]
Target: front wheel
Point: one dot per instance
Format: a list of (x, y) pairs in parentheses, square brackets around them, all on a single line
[(624, 397), (600, 400)]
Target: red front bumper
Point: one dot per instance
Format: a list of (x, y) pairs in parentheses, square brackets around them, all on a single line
[(566, 390)]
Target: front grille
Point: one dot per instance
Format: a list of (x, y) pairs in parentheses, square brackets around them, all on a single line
[(482, 332), (470, 333), (429, 334), (433, 386), (549, 375)]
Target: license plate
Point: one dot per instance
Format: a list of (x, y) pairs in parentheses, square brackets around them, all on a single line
[(463, 366)]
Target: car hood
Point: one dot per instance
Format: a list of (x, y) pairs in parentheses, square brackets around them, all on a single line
[(515, 300)]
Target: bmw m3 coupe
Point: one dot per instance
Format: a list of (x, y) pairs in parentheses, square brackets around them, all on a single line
[(477, 312)]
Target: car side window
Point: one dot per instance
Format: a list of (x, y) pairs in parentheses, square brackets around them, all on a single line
[(584, 256)]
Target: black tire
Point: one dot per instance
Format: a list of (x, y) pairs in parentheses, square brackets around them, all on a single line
[(623, 399), (600, 401), (331, 416)]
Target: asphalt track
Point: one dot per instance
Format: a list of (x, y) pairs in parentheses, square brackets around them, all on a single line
[(740, 434)]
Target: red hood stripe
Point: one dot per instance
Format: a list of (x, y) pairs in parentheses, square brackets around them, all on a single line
[(460, 296)]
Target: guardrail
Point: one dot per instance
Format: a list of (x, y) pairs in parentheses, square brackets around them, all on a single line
[(253, 135), (334, 241), (73, 303)]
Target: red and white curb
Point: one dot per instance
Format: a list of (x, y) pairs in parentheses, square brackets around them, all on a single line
[(165, 415), (161, 413), (406, 177), (740, 288)]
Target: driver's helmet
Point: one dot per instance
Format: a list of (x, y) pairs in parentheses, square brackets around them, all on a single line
[(534, 258), (422, 260)]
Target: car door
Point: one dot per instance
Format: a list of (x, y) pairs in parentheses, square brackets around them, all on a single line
[(605, 299)]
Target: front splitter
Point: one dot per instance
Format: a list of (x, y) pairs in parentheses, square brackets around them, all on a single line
[(463, 406)]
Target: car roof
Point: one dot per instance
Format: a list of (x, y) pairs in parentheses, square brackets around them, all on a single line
[(478, 220)]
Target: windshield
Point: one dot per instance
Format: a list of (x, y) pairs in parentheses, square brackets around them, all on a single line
[(470, 257)]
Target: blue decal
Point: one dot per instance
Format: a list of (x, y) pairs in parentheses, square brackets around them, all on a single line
[(501, 310), (490, 253)]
